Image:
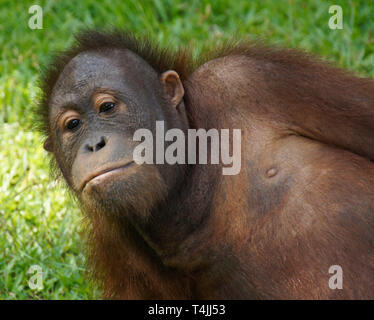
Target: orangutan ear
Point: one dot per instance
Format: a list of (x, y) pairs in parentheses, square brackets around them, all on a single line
[(173, 86), (48, 145)]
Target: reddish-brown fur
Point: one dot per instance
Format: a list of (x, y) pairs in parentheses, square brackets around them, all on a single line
[(262, 235)]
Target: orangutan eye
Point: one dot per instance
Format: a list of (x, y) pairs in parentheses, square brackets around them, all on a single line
[(72, 124), (107, 106)]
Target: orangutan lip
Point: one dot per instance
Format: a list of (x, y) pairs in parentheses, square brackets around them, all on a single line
[(103, 171)]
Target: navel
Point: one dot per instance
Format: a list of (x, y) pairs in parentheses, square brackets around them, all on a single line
[(271, 172)]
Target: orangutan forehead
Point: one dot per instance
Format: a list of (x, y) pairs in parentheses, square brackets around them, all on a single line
[(88, 67), (104, 69)]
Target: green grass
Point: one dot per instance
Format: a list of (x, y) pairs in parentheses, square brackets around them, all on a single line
[(39, 223)]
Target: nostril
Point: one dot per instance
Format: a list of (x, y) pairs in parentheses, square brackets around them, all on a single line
[(101, 144), (92, 147), (89, 148)]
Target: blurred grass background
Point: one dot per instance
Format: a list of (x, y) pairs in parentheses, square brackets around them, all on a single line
[(39, 223)]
